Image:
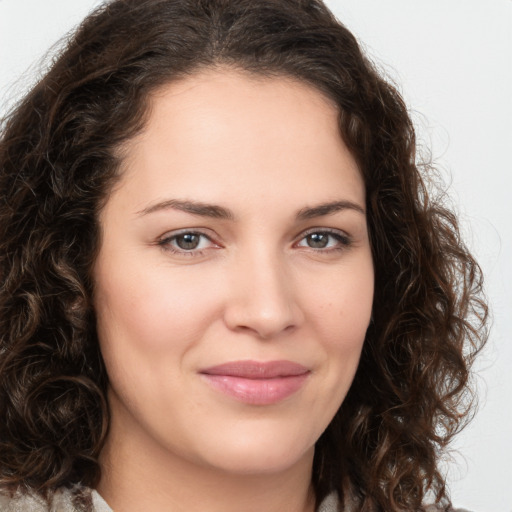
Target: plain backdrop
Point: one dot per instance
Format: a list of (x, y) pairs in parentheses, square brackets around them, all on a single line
[(452, 60)]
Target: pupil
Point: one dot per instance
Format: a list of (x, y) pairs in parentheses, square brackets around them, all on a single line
[(187, 241), (318, 240)]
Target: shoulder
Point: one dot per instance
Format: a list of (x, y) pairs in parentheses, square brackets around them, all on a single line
[(331, 503), (15, 504), (20, 502), (72, 499), (433, 508)]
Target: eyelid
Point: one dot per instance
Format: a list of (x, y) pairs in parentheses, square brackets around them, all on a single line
[(165, 241), (344, 239)]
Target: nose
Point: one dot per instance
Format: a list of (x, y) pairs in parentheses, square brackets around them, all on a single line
[(262, 300)]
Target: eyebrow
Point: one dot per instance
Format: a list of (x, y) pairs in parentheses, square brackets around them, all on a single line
[(193, 207), (219, 212), (328, 209)]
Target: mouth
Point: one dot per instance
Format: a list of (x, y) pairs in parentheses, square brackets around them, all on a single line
[(257, 383)]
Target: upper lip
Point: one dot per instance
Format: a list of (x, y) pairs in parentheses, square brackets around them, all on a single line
[(257, 370)]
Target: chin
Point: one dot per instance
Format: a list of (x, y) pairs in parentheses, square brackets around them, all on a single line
[(253, 456)]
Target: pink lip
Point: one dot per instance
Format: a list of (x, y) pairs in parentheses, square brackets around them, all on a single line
[(257, 383)]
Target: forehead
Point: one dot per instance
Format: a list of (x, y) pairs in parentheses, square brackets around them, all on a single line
[(225, 131)]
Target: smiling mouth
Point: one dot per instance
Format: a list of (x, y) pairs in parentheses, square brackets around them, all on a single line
[(257, 383)]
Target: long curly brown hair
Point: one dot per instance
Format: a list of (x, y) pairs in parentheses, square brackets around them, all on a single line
[(58, 161)]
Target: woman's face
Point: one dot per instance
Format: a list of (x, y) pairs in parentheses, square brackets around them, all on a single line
[(234, 282)]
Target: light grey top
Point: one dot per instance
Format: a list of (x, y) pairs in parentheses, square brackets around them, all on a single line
[(62, 502)]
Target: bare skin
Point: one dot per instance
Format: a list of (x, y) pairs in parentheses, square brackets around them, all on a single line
[(237, 233)]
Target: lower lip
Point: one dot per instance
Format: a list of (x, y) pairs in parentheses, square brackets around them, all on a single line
[(257, 391)]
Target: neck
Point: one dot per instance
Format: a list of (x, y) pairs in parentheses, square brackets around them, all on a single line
[(140, 475)]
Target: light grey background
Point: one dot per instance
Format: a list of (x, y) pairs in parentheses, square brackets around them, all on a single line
[(453, 62)]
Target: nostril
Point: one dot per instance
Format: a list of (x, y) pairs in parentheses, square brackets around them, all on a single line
[(262, 298), (264, 323)]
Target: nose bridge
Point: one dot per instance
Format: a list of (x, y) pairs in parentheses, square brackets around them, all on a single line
[(263, 301)]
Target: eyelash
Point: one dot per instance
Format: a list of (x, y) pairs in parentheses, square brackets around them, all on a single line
[(166, 243), (343, 240)]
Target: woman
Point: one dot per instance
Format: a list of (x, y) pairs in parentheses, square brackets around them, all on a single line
[(224, 283)]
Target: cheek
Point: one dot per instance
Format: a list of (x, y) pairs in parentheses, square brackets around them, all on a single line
[(341, 321), (344, 305), (153, 315)]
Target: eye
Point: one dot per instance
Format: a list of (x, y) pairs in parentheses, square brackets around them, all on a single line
[(324, 239), (187, 242)]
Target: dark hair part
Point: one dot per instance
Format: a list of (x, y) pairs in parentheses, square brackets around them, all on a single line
[(58, 161)]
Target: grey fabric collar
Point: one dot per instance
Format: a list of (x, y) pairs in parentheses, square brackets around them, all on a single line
[(62, 502)]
